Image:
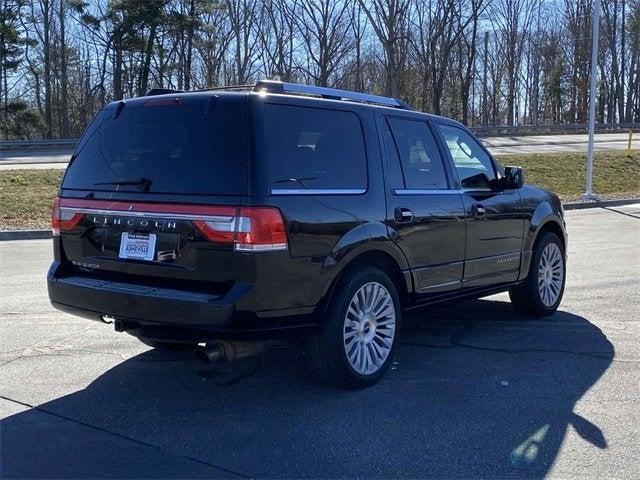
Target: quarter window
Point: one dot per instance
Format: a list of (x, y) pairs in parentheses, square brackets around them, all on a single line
[(315, 149), (473, 164), (422, 166)]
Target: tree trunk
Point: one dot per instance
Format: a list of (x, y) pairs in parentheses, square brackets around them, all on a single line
[(64, 81), (485, 86), (143, 85), (46, 14), (187, 67), (117, 66)]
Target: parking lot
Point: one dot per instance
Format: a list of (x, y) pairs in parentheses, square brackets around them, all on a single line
[(475, 391)]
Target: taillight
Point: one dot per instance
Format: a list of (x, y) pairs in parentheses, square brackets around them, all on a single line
[(61, 219), (250, 229)]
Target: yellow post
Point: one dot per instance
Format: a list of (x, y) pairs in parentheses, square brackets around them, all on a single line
[(629, 144)]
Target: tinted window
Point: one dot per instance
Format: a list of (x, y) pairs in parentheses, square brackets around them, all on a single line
[(177, 147), (313, 148), (474, 166), (422, 166)]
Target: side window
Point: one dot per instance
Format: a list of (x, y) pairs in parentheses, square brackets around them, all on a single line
[(474, 166), (422, 166), (312, 148)]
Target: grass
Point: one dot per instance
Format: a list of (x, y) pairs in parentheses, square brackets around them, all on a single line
[(614, 174), (26, 195)]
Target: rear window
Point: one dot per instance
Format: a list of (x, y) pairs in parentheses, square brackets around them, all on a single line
[(315, 149), (177, 147)]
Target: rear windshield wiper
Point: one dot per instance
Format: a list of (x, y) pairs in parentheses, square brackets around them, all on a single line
[(144, 182), (295, 180)]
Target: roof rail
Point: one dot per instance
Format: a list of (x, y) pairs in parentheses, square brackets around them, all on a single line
[(274, 86), (226, 87)]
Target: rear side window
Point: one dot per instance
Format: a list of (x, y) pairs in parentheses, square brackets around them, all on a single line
[(315, 149), (177, 147), (422, 165)]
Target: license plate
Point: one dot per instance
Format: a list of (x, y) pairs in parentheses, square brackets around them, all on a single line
[(137, 246)]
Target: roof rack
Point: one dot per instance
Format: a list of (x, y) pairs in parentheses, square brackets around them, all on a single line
[(227, 87), (274, 86)]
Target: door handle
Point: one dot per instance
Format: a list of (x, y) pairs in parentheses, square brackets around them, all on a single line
[(403, 214), (478, 210)]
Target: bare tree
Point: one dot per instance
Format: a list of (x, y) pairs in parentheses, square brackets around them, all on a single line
[(511, 20), (243, 15), (489, 61), (325, 30), (277, 38), (389, 21), (212, 45)]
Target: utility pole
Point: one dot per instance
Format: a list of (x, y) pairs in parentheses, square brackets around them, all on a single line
[(588, 194)]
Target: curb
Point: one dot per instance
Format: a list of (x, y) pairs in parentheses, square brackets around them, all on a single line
[(25, 234), (45, 234), (599, 204)]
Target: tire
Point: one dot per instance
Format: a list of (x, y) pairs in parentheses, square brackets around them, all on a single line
[(170, 346), (541, 292), (354, 351)]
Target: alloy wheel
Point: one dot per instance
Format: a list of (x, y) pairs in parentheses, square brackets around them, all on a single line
[(369, 328), (550, 274)]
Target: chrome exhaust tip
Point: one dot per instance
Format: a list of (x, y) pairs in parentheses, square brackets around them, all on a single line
[(210, 353), (220, 350)]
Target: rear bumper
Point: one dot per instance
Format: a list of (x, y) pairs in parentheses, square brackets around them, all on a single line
[(150, 307)]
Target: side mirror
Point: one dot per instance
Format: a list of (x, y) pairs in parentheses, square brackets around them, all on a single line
[(513, 177)]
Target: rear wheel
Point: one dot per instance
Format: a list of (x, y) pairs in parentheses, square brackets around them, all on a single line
[(359, 335), (541, 293)]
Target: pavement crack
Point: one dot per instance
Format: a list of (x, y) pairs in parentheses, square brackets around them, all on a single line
[(457, 337), (123, 436), (621, 212)]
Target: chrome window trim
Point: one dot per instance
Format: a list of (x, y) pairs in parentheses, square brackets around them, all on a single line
[(420, 191), (126, 213), (318, 191), (414, 191), (426, 191)]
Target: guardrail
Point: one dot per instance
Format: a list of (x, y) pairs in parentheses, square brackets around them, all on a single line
[(523, 130), (64, 144), (504, 131)]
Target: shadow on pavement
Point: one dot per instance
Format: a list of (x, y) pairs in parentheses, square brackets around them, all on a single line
[(476, 391)]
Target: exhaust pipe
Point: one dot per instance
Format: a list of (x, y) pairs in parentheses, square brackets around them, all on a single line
[(222, 350)]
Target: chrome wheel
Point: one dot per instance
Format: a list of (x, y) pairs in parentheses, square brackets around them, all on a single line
[(369, 328), (550, 274)]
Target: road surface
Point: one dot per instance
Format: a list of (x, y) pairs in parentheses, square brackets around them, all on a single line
[(476, 390), (498, 146)]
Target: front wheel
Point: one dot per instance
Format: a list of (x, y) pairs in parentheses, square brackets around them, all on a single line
[(361, 327), (541, 293)]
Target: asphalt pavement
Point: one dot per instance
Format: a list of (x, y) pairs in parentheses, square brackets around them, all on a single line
[(19, 160), (476, 391)]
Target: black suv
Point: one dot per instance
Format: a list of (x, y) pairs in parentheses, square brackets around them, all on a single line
[(232, 216)]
